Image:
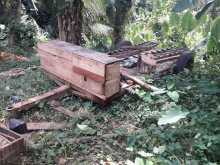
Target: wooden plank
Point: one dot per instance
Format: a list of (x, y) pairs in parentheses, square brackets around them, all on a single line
[(113, 71), (101, 99), (148, 59), (63, 49), (89, 74), (168, 59), (64, 69), (86, 69), (88, 64), (78, 91), (24, 105), (3, 141), (46, 126), (10, 138), (13, 147), (139, 82), (112, 87)]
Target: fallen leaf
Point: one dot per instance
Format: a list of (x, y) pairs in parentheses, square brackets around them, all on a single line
[(172, 116), (145, 154), (173, 95)]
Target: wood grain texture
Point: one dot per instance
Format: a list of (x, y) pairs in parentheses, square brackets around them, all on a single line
[(84, 69), (46, 126), (139, 82), (64, 49), (24, 105), (88, 74), (112, 87), (64, 69)]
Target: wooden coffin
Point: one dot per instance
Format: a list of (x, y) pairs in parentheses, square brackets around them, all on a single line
[(91, 71)]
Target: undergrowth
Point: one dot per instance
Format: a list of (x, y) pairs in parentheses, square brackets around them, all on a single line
[(127, 130)]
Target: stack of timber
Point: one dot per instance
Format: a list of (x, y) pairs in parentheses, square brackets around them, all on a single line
[(160, 60), (85, 70), (135, 50)]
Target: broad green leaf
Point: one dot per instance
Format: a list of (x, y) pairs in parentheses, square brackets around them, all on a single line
[(174, 19), (172, 116), (214, 39), (145, 154), (86, 130), (173, 95), (159, 150), (208, 87), (139, 161), (128, 162), (82, 127), (159, 92), (188, 22)]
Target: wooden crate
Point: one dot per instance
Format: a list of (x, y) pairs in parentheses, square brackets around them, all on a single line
[(14, 145), (159, 60), (91, 71)]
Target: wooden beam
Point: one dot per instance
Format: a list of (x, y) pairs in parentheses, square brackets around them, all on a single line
[(53, 94), (46, 126), (139, 82)]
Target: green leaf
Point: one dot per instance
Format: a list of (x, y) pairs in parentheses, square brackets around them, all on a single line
[(86, 130), (128, 162), (188, 22), (145, 154), (139, 161), (214, 39), (207, 87), (174, 19), (159, 92), (172, 116), (159, 150), (82, 127), (173, 95)]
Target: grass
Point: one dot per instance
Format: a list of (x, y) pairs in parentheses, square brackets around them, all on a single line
[(119, 131)]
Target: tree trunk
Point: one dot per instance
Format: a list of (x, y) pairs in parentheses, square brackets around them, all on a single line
[(70, 23), (2, 9), (117, 13), (15, 14)]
